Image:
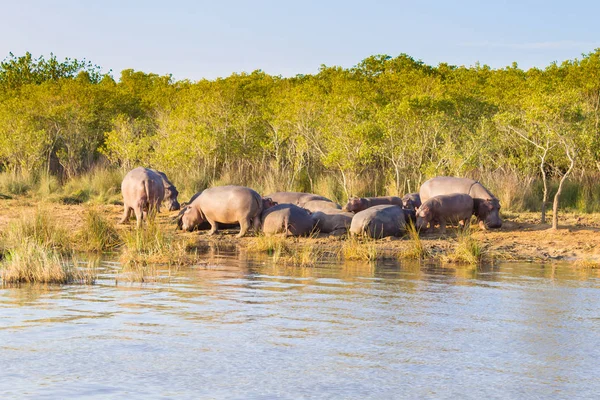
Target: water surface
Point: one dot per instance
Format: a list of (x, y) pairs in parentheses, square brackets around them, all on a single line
[(243, 328)]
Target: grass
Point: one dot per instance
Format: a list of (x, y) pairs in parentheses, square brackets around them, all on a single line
[(357, 249), (39, 228), (98, 233), (101, 185), (416, 247), (32, 262), (468, 250), (15, 183), (587, 264), (284, 251)]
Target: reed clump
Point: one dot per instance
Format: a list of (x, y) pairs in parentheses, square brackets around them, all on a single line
[(287, 252), (416, 248), (467, 250), (359, 249), (98, 232), (32, 262), (39, 228), (587, 264)]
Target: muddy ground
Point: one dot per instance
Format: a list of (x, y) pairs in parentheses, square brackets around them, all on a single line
[(521, 238)]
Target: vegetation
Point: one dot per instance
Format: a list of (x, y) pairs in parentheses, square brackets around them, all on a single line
[(416, 248), (468, 250), (364, 249), (381, 127), (98, 233)]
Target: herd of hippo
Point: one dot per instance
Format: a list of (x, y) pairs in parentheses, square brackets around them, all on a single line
[(440, 201)]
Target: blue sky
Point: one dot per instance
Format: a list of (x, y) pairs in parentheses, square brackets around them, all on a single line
[(208, 39)]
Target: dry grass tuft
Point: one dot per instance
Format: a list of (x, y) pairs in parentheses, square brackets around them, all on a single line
[(98, 233), (468, 250), (357, 249), (416, 248)]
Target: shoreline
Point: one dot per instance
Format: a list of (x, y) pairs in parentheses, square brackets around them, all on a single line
[(520, 239)]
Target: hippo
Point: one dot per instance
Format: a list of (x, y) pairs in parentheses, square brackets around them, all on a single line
[(379, 221), (205, 225), (320, 205), (452, 208), (356, 204), (288, 219), (332, 221), (411, 201), (486, 206), (297, 198), (144, 190), (224, 205)]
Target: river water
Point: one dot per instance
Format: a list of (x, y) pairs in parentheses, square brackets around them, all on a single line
[(244, 328)]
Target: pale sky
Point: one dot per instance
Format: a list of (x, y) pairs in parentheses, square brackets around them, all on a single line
[(209, 39)]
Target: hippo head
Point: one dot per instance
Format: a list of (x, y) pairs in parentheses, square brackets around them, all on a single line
[(190, 219), (268, 202), (411, 201), (488, 213), (423, 217), (355, 204), (171, 198)]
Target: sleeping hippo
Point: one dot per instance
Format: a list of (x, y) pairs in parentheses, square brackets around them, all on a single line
[(320, 205), (443, 209), (411, 201), (144, 190), (356, 204), (332, 221), (297, 198), (224, 205), (288, 219), (486, 206), (379, 221)]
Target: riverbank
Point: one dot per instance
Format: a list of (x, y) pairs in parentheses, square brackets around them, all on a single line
[(521, 238)]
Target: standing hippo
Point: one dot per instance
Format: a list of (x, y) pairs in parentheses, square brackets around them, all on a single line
[(356, 204), (452, 208), (379, 221), (411, 201), (332, 221), (225, 205), (320, 205), (486, 206), (297, 198), (288, 219), (144, 190)]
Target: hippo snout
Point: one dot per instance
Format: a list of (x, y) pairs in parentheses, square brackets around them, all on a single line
[(174, 206)]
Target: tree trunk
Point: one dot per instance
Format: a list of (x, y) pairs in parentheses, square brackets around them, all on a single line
[(545, 181), (559, 191)]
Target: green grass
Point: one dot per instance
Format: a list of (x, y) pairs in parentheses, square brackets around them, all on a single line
[(98, 233), (416, 248), (359, 249), (39, 228), (468, 250), (32, 262)]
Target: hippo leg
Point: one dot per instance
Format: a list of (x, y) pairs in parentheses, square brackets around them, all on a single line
[(139, 215), (244, 225), (482, 225), (214, 227), (442, 225), (126, 215), (256, 223)]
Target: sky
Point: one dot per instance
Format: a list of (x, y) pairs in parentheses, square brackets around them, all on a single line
[(209, 39)]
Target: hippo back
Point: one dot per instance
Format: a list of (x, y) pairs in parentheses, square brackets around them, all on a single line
[(320, 205), (333, 220), (229, 204), (297, 198), (379, 221), (288, 219)]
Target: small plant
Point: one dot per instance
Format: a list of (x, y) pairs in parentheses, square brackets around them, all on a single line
[(416, 247), (98, 233), (31, 262), (355, 249), (468, 250), (587, 264)]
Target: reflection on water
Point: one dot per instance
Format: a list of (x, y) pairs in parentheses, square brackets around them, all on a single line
[(240, 327)]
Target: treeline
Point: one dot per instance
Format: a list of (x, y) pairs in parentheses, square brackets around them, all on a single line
[(381, 127)]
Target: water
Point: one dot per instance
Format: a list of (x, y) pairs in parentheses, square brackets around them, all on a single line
[(240, 328)]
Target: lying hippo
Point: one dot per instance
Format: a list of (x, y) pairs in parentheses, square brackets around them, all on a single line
[(411, 201), (320, 205), (224, 205), (486, 206), (356, 204), (144, 190), (332, 221), (443, 209), (288, 219), (297, 198), (379, 221)]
